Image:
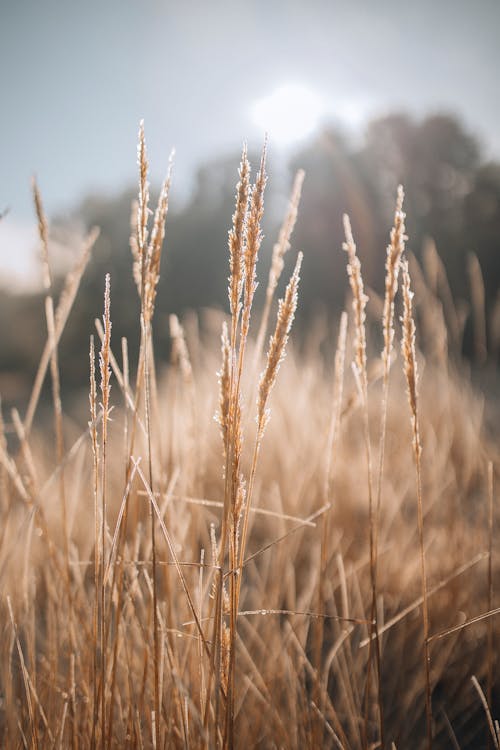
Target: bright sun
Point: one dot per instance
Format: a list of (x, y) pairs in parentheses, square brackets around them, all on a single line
[(289, 114)]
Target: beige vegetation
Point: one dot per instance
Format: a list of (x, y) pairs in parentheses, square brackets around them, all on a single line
[(312, 568)]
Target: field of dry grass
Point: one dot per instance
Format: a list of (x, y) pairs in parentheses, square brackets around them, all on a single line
[(312, 568)]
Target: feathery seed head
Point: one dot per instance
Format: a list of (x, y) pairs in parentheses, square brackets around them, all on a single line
[(359, 300), (154, 251), (408, 350), (277, 345), (143, 202), (253, 241), (394, 254), (237, 235), (105, 350), (43, 233)]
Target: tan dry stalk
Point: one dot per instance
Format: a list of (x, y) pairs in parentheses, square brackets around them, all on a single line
[(411, 373), (253, 239), (126, 387), (24, 671), (359, 301), (156, 642), (281, 247), (493, 729), (338, 383), (239, 262), (54, 364), (12, 471), (58, 413), (95, 455), (149, 257), (105, 371), (26, 451), (395, 251), (132, 402), (68, 295), (248, 245), (338, 389), (241, 504), (236, 241), (275, 356), (394, 254)]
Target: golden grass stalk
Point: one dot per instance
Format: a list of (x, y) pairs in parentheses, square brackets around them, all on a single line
[(236, 241), (97, 572), (394, 254), (105, 371), (56, 398), (495, 735), (26, 452), (411, 374), (244, 242), (241, 502), (54, 364), (68, 295), (338, 389), (126, 387), (275, 356), (148, 270), (335, 417), (359, 301), (253, 239), (26, 681), (281, 247)]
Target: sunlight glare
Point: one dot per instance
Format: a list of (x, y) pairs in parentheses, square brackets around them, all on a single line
[(289, 114)]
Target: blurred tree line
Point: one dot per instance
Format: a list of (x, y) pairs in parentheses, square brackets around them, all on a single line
[(452, 196)]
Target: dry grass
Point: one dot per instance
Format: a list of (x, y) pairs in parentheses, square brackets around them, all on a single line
[(168, 581)]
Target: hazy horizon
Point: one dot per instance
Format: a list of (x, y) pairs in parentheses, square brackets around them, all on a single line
[(81, 77)]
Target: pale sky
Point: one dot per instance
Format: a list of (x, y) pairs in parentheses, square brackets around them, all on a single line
[(77, 77)]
